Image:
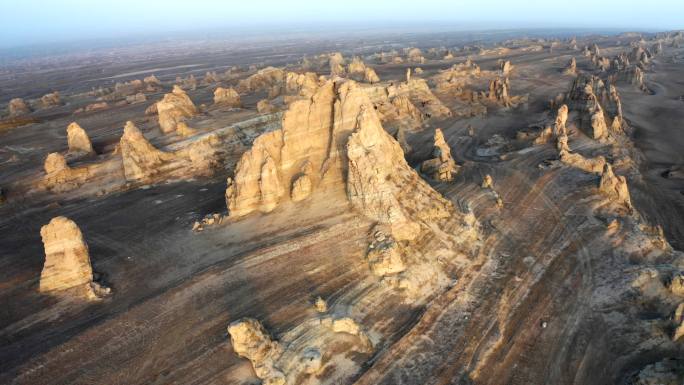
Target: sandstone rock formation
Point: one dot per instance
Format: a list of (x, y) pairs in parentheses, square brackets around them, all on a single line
[(251, 341), (78, 140), (59, 177), (175, 107), (336, 63), (67, 262), (51, 100), (264, 79), (301, 84), (384, 253), (586, 95), (571, 68), (227, 96), (18, 107), (142, 162), (188, 83), (415, 55), (264, 106), (498, 92), (614, 187), (152, 84), (442, 167), (505, 67), (419, 93), (370, 76), (336, 129)]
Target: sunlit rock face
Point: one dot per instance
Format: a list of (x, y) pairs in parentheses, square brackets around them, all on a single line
[(174, 108)]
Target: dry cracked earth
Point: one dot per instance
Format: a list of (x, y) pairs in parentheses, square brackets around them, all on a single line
[(421, 209)]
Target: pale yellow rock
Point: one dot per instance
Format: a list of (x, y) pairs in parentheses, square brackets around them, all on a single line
[(59, 177), (614, 186), (304, 84), (174, 108), (264, 106), (406, 109), (141, 160), (51, 100), (593, 165), (384, 254), (18, 107), (251, 341), (336, 63), (227, 96), (301, 188), (677, 284), (442, 167), (67, 262), (488, 182), (370, 76), (571, 68), (559, 127), (184, 131), (505, 67), (78, 140), (321, 305)]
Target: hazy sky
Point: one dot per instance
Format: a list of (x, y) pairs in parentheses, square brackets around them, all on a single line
[(42, 21)]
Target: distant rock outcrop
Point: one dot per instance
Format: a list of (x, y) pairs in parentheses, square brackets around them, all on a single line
[(175, 107), (51, 100), (442, 167), (571, 68), (143, 162), (505, 67), (78, 140), (227, 96), (264, 79), (67, 262), (336, 64), (18, 107), (264, 106), (498, 91)]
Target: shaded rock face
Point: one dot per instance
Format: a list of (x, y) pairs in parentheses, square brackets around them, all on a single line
[(442, 167), (18, 107), (587, 95), (227, 96), (175, 107), (67, 262), (498, 91), (415, 55), (141, 160), (152, 84), (78, 140)]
